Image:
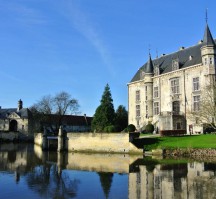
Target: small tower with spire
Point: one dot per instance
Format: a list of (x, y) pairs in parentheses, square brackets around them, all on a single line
[(148, 83), (20, 105), (208, 51)]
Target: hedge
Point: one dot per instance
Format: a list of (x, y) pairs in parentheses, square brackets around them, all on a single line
[(172, 132)]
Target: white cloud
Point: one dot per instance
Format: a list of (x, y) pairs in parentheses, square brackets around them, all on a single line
[(82, 23)]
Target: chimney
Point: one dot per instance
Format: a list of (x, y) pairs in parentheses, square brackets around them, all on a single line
[(86, 119), (20, 105)]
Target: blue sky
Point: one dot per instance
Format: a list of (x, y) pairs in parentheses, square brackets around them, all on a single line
[(78, 46)]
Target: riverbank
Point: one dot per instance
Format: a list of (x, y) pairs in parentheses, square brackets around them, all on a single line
[(185, 146), (183, 142)]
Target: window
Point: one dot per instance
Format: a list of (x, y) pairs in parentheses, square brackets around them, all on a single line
[(175, 64), (146, 111), (196, 86), (196, 103), (146, 92), (137, 110), (205, 61), (178, 125), (138, 95), (156, 108), (175, 86), (210, 60), (156, 92), (176, 107)]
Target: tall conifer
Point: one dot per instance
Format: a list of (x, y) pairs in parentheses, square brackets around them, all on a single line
[(105, 113)]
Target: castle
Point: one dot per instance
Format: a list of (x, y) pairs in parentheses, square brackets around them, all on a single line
[(167, 90)]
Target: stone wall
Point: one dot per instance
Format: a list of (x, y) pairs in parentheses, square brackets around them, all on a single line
[(97, 142), (9, 136), (15, 136), (190, 152)]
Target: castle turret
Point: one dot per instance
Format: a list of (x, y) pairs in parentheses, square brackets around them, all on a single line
[(208, 52), (149, 73)]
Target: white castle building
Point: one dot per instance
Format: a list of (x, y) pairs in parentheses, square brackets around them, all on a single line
[(166, 90)]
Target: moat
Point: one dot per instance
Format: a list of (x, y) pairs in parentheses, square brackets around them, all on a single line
[(28, 172)]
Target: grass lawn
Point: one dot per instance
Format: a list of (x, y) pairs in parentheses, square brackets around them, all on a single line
[(193, 141)]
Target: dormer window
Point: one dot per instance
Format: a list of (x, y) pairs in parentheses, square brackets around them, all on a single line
[(142, 74), (175, 64), (156, 70)]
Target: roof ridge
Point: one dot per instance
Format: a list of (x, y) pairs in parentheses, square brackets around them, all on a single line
[(186, 48)]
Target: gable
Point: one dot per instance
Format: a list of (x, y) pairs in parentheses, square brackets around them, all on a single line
[(13, 116)]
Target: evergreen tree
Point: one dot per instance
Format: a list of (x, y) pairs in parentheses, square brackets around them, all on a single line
[(121, 120), (106, 182), (105, 113)]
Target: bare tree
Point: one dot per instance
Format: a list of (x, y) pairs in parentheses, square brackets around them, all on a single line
[(52, 109), (63, 104), (45, 105), (204, 112)]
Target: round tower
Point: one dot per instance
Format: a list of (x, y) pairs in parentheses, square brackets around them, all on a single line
[(148, 83)]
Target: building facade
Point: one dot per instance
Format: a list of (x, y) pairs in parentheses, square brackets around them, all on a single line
[(16, 119), (166, 90)]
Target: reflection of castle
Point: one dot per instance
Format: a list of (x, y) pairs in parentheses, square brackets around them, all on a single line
[(183, 181)]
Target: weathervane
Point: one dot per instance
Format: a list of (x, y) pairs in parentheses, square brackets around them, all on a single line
[(206, 15), (149, 50)]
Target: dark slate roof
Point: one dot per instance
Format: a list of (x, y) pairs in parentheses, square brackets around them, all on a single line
[(149, 67), (23, 113), (165, 62), (208, 39), (73, 120)]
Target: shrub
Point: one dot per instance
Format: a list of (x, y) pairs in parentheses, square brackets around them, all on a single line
[(131, 128), (172, 132), (110, 129), (149, 128)]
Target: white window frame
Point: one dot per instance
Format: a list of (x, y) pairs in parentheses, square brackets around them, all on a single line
[(156, 108), (196, 103), (175, 88), (156, 92), (137, 95), (137, 110), (196, 84)]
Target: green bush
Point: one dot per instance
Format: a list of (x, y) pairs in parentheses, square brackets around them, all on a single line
[(110, 129), (131, 128), (149, 128)]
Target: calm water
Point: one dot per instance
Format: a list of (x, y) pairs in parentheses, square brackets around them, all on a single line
[(27, 172)]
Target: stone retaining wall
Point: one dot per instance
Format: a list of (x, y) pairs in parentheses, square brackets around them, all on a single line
[(190, 152), (97, 142)]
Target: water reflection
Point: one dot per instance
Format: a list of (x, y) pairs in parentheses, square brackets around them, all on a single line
[(183, 180), (27, 172)]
